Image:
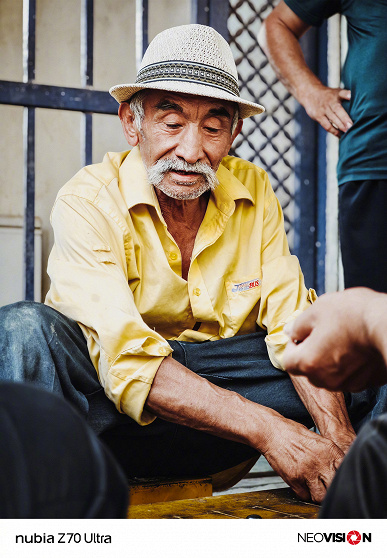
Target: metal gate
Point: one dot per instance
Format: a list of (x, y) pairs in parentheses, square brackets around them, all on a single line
[(267, 140)]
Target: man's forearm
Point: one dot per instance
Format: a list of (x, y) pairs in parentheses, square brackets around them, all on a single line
[(179, 395), (328, 411), (281, 46)]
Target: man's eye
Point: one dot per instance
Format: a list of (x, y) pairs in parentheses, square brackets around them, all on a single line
[(212, 130), (172, 126)]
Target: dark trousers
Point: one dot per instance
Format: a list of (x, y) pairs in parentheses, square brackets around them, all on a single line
[(52, 465), (363, 233), (358, 490), (41, 346)]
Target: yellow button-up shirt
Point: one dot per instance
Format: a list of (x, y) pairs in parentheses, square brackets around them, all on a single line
[(116, 270)]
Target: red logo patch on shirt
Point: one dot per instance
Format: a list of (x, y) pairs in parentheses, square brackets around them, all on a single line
[(246, 286)]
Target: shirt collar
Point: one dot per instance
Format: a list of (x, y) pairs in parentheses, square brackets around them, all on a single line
[(229, 190), (133, 181), (136, 189)]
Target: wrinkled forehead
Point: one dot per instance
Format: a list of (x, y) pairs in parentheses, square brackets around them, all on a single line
[(184, 102)]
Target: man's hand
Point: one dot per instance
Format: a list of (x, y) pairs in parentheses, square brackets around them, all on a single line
[(305, 460), (323, 104), (339, 342)]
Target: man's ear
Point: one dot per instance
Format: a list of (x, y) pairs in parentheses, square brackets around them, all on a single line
[(129, 127), (237, 130)]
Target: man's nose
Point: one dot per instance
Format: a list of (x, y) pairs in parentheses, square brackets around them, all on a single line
[(190, 146)]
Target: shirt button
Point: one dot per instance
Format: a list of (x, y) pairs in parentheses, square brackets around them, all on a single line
[(196, 292), (163, 351), (173, 256)]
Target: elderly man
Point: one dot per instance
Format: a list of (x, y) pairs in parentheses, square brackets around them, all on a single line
[(171, 281)]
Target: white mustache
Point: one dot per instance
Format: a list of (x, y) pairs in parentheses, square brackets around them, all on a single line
[(157, 171)]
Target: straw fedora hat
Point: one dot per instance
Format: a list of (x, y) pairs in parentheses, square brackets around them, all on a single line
[(192, 59)]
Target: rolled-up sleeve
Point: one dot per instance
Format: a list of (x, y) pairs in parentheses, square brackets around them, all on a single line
[(283, 294), (88, 267)]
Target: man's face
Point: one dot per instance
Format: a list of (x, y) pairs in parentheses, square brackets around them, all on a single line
[(183, 140)]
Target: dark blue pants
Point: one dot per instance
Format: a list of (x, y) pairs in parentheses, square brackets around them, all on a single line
[(41, 346), (51, 463), (358, 490), (363, 233)]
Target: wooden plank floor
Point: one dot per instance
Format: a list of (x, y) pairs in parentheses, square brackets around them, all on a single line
[(265, 504)]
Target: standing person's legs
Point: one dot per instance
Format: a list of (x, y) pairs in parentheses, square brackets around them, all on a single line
[(363, 233), (358, 490), (51, 463)]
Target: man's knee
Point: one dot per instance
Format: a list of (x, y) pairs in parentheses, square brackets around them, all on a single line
[(26, 329), (24, 318), (40, 345)]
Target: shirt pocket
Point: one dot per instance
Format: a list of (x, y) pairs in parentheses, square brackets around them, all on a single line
[(243, 294)]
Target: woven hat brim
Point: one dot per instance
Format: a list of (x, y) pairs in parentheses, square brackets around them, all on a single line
[(125, 91)]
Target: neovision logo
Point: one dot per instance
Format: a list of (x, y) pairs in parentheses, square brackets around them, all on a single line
[(352, 537)]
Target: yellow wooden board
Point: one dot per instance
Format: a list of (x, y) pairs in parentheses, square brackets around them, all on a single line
[(162, 490), (268, 504)]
